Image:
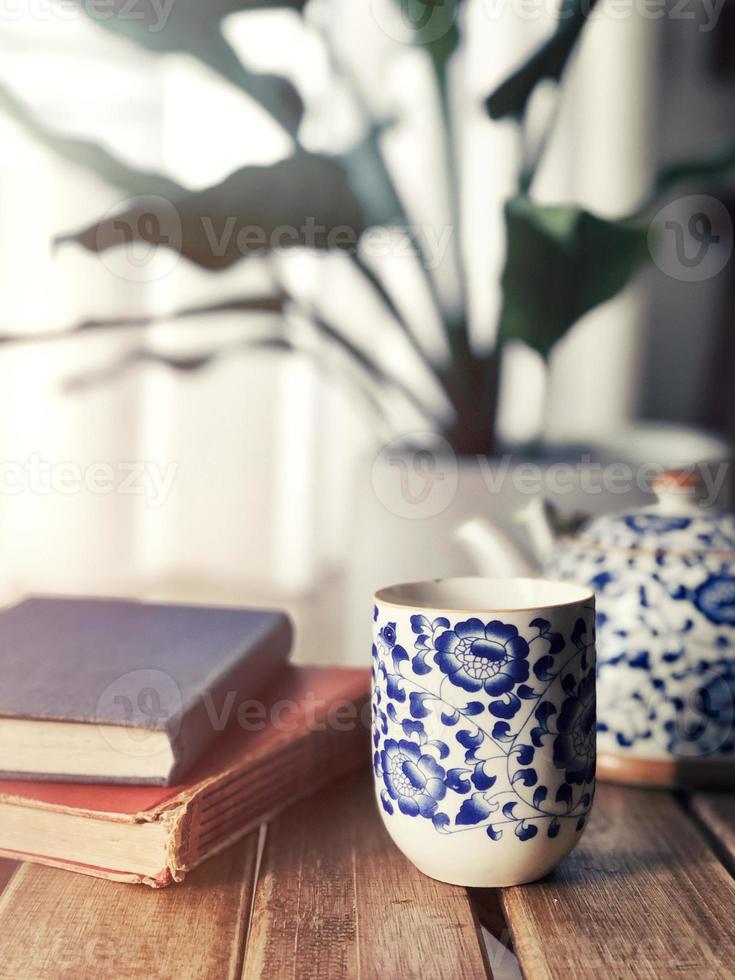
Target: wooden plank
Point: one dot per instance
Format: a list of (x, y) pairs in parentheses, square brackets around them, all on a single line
[(7, 870), (717, 813), (643, 895), (335, 899), (61, 924)]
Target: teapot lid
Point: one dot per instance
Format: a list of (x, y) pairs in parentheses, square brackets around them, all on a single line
[(677, 522)]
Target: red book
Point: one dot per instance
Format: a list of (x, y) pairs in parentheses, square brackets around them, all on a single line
[(311, 728)]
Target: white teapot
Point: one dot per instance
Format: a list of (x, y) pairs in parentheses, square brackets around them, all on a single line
[(664, 577)]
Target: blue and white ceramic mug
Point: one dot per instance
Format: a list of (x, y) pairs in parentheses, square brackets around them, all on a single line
[(484, 724)]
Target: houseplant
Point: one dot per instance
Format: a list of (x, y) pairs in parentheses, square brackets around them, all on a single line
[(561, 261)]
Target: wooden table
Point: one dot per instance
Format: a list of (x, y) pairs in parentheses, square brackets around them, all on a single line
[(322, 893)]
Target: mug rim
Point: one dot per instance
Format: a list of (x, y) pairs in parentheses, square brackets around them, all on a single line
[(390, 595)]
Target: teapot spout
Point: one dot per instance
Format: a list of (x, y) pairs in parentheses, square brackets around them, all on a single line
[(493, 552), (540, 519), (545, 524)]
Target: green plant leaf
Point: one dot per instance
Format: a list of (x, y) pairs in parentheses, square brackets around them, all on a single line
[(89, 155), (549, 61), (434, 27), (193, 27), (303, 200), (372, 183), (561, 263)]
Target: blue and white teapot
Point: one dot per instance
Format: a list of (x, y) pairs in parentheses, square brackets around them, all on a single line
[(664, 577)]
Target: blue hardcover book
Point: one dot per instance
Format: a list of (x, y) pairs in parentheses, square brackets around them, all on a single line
[(117, 691)]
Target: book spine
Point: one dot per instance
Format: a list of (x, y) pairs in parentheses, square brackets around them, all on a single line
[(218, 817), (206, 719)]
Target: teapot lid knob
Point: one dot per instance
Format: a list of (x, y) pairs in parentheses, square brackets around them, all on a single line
[(677, 489)]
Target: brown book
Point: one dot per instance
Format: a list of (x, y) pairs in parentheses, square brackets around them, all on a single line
[(309, 729)]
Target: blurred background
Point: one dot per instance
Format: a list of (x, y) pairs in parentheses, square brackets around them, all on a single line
[(283, 284)]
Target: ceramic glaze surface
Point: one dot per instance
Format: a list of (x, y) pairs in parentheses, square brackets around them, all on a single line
[(484, 737), (665, 587), (651, 530)]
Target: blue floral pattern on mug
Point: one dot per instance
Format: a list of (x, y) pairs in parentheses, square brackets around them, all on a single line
[(574, 746), (484, 726), (491, 657), (413, 778)]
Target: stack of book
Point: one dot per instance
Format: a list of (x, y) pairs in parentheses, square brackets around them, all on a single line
[(137, 740)]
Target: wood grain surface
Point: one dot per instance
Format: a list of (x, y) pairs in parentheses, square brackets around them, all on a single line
[(7, 870), (643, 895), (717, 813), (335, 899), (61, 924)]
